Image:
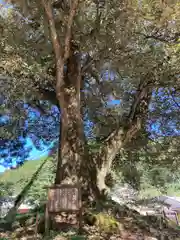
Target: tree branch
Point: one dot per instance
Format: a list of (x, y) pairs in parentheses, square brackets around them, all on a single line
[(69, 28), (57, 47), (165, 39), (118, 138), (140, 98), (54, 36)]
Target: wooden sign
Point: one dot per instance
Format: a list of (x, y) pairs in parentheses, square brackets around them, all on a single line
[(64, 198)]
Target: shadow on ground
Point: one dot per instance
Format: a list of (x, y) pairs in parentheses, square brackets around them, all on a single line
[(107, 220)]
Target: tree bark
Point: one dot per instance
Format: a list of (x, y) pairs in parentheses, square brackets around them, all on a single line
[(75, 164), (71, 145), (128, 130)]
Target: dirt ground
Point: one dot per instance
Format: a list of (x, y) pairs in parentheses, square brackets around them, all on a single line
[(117, 223)]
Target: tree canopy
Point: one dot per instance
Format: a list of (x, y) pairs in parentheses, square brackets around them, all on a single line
[(124, 51)]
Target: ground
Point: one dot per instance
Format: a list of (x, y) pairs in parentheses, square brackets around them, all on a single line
[(113, 222)]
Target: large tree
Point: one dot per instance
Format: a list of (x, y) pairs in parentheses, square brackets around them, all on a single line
[(78, 55)]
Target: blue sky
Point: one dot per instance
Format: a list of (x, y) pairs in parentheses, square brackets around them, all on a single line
[(34, 153), (6, 5)]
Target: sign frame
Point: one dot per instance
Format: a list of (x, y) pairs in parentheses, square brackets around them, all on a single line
[(65, 187), (78, 209)]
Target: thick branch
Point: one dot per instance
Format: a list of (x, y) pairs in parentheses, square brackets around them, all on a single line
[(56, 46), (54, 36), (126, 132), (138, 110), (141, 97), (69, 29), (58, 51), (165, 39)]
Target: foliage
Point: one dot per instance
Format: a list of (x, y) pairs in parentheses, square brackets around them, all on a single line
[(106, 223), (6, 189), (152, 170), (38, 61), (128, 51), (10, 149), (42, 129)]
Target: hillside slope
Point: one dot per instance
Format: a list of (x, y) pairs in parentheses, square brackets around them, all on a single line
[(13, 181)]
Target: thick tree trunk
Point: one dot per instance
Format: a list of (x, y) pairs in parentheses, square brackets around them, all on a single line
[(71, 144), (74, 162)]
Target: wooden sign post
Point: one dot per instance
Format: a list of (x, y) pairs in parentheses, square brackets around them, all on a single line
[(63, 198)]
